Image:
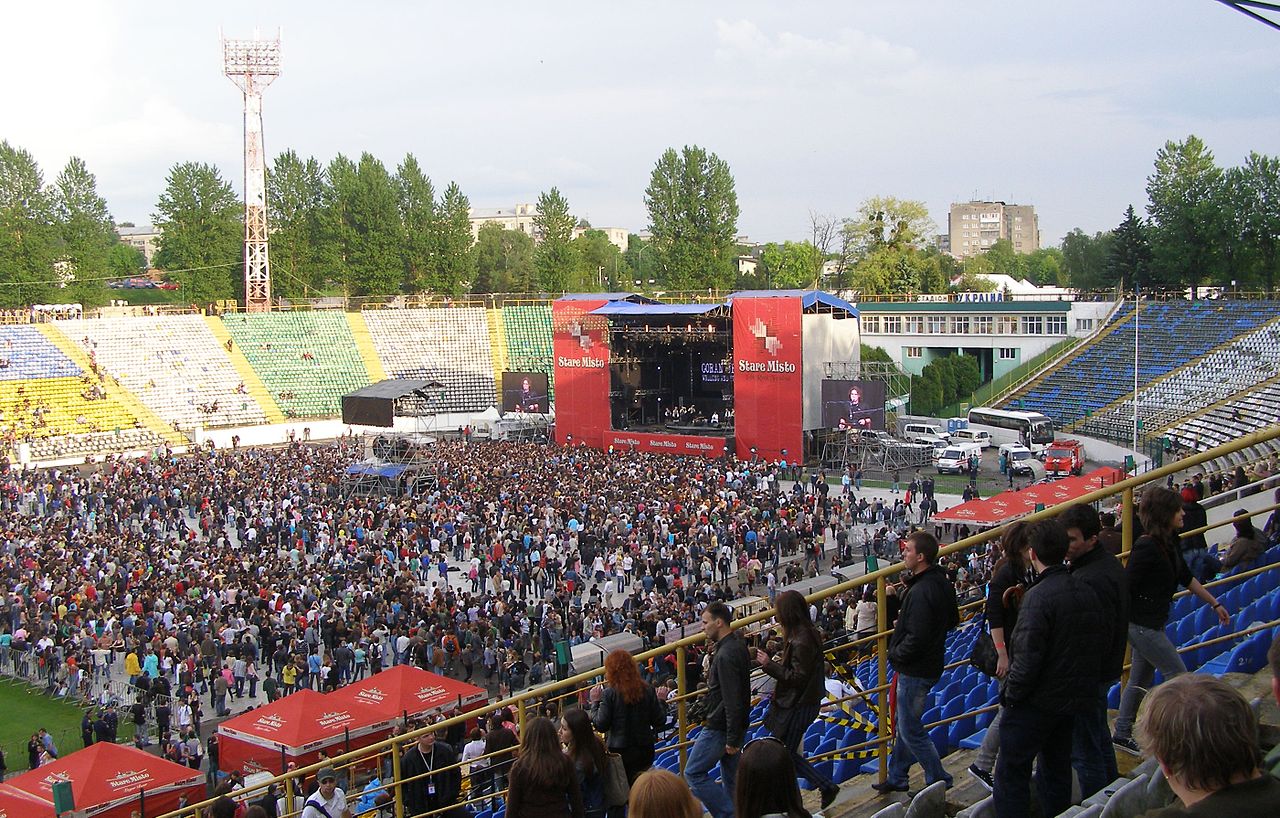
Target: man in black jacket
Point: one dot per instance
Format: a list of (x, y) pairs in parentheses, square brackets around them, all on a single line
[(433, 790), (916, 650), (727, 706), (1054, 672), (1092, 754)]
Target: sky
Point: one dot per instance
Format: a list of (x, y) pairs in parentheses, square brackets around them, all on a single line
[(816, 106)]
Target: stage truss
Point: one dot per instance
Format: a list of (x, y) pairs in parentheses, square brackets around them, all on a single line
[(841, 449), (409, 456)]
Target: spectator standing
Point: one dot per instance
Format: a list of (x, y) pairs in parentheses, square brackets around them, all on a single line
[(727, 706), (916, 650), (329, 801), (544, 783), (1054, 672), (628, 711), (431, 790), (587, 752)]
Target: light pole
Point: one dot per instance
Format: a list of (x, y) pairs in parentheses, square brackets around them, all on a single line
[(1137, 305)]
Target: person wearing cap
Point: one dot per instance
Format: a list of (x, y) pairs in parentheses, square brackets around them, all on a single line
[(329, 801)]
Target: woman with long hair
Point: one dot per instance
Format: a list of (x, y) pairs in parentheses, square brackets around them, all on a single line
[(766, 784), (1010, 578), (587, 752), (1154, 571), (658, 793), (801, 686), (628, 710), (543, 781), (1247, 545)]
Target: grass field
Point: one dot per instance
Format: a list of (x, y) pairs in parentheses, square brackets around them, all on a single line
[(23, 710)]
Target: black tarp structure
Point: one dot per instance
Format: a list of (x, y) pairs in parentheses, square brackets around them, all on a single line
[(376, 404)]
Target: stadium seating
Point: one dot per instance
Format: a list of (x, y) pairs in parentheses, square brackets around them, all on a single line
[(1237, 366), (1241, 415), (173, 364), (449, 345), (307, 360), (528, 332), (1171, 333), (66, 417), (26, 353)]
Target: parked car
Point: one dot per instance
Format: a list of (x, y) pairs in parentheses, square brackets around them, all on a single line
[(915, 431), (955, 458), (972, 436)]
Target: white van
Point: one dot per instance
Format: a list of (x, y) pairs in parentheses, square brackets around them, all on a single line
[(973, 436), (937, 444), (955, 458), (1019, 458), (914, 431)]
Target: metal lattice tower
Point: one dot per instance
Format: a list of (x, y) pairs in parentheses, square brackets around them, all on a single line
[(253, 65)]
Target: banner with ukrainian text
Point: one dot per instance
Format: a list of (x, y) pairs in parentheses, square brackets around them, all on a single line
[(580, 342), (767, 378)]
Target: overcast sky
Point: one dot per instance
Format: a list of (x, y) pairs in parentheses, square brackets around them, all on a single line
[(814, 105)]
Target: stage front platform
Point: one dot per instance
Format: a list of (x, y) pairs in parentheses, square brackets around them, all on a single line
[(697, 429), (666, 444)]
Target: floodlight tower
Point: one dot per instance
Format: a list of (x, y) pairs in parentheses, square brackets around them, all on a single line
[(252, 65)]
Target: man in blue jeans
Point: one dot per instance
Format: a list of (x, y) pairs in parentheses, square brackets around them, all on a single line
[(728, 705), (916, 650)]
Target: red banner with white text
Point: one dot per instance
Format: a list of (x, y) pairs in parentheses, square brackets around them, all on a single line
[(666, 444), (581, 345), (768, 402)]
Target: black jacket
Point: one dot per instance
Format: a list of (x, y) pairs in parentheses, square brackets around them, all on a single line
[(1154, 572), (1054, 661), (629, 725), (920, 635), (800, 675), (728, 691), (447, 784), (1103, 573)]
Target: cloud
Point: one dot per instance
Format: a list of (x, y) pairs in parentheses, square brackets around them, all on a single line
[(743, 39)]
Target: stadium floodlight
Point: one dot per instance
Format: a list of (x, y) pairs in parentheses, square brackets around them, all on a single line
[(253, 65)]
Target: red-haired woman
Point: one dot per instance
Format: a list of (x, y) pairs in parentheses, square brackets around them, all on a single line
[(629, 711)]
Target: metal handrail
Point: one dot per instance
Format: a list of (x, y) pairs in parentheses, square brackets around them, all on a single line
[(1124, 488)]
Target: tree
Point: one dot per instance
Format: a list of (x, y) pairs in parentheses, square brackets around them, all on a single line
[(1044, 267), (125, 261), (1185, 213), (504, 261), (1084, 259), (600, 261), (85, 231), (926, 393), (872, 354), (374, 264), (295, 203), (201, 233), (824, 231), (556, 258), (888, 220), (639, 260), (1259, 197), (693, 218), (336, 236), (27, 240), (455, 262), (790, 265), (416, 201), (1129, 257)]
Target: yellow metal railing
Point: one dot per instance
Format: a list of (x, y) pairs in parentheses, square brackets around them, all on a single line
[(557, 691)]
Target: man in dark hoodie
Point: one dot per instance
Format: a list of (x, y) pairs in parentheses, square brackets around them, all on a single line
[(916, 650), (728, 703)]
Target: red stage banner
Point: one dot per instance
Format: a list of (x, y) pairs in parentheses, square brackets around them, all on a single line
[(580, 344), (666, 444), (767, 378)]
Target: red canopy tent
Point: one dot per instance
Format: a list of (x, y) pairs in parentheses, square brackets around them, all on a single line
[(113, 780), (19, 804), (1010, 505), (403, 692), (292, 729)]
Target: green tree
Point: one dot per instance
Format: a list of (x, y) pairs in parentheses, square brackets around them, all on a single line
[(1004, 260), (86, 232), (926, 393), (1129, 257), (27, 238), (556, 258), (416, 201), (873, 354), (336, 237), (1084, 260), (600, 261), (125, 261), (1185, 213), (201, 233), (456, 263), (1044, 267), (639, 260), (693, 218), (968, 375), (504, 261), (789, 265), (295, 203), (1259, 196), (374, 265)]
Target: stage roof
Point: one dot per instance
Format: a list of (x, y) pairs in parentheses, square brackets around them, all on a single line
[(635, 298), (378, 470), (394, 388), (623, 308), (808, 298)]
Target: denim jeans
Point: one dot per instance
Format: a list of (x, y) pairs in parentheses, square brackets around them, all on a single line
[(708, 748), (911, 742), (1092, 755), (1152, 651), (1025, 733), (986, 758)]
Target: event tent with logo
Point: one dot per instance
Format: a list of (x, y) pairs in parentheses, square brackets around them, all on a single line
[(405, 692), (292, 729), (19, 804), (1010, 505), (108, 780)]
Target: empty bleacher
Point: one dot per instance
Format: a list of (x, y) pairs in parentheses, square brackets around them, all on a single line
[(1170, 334), (528, 332), (87, 413), (1237, 366), (27, 354), (174, 364), (449, 345), (306, 360), (1248, 412)]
